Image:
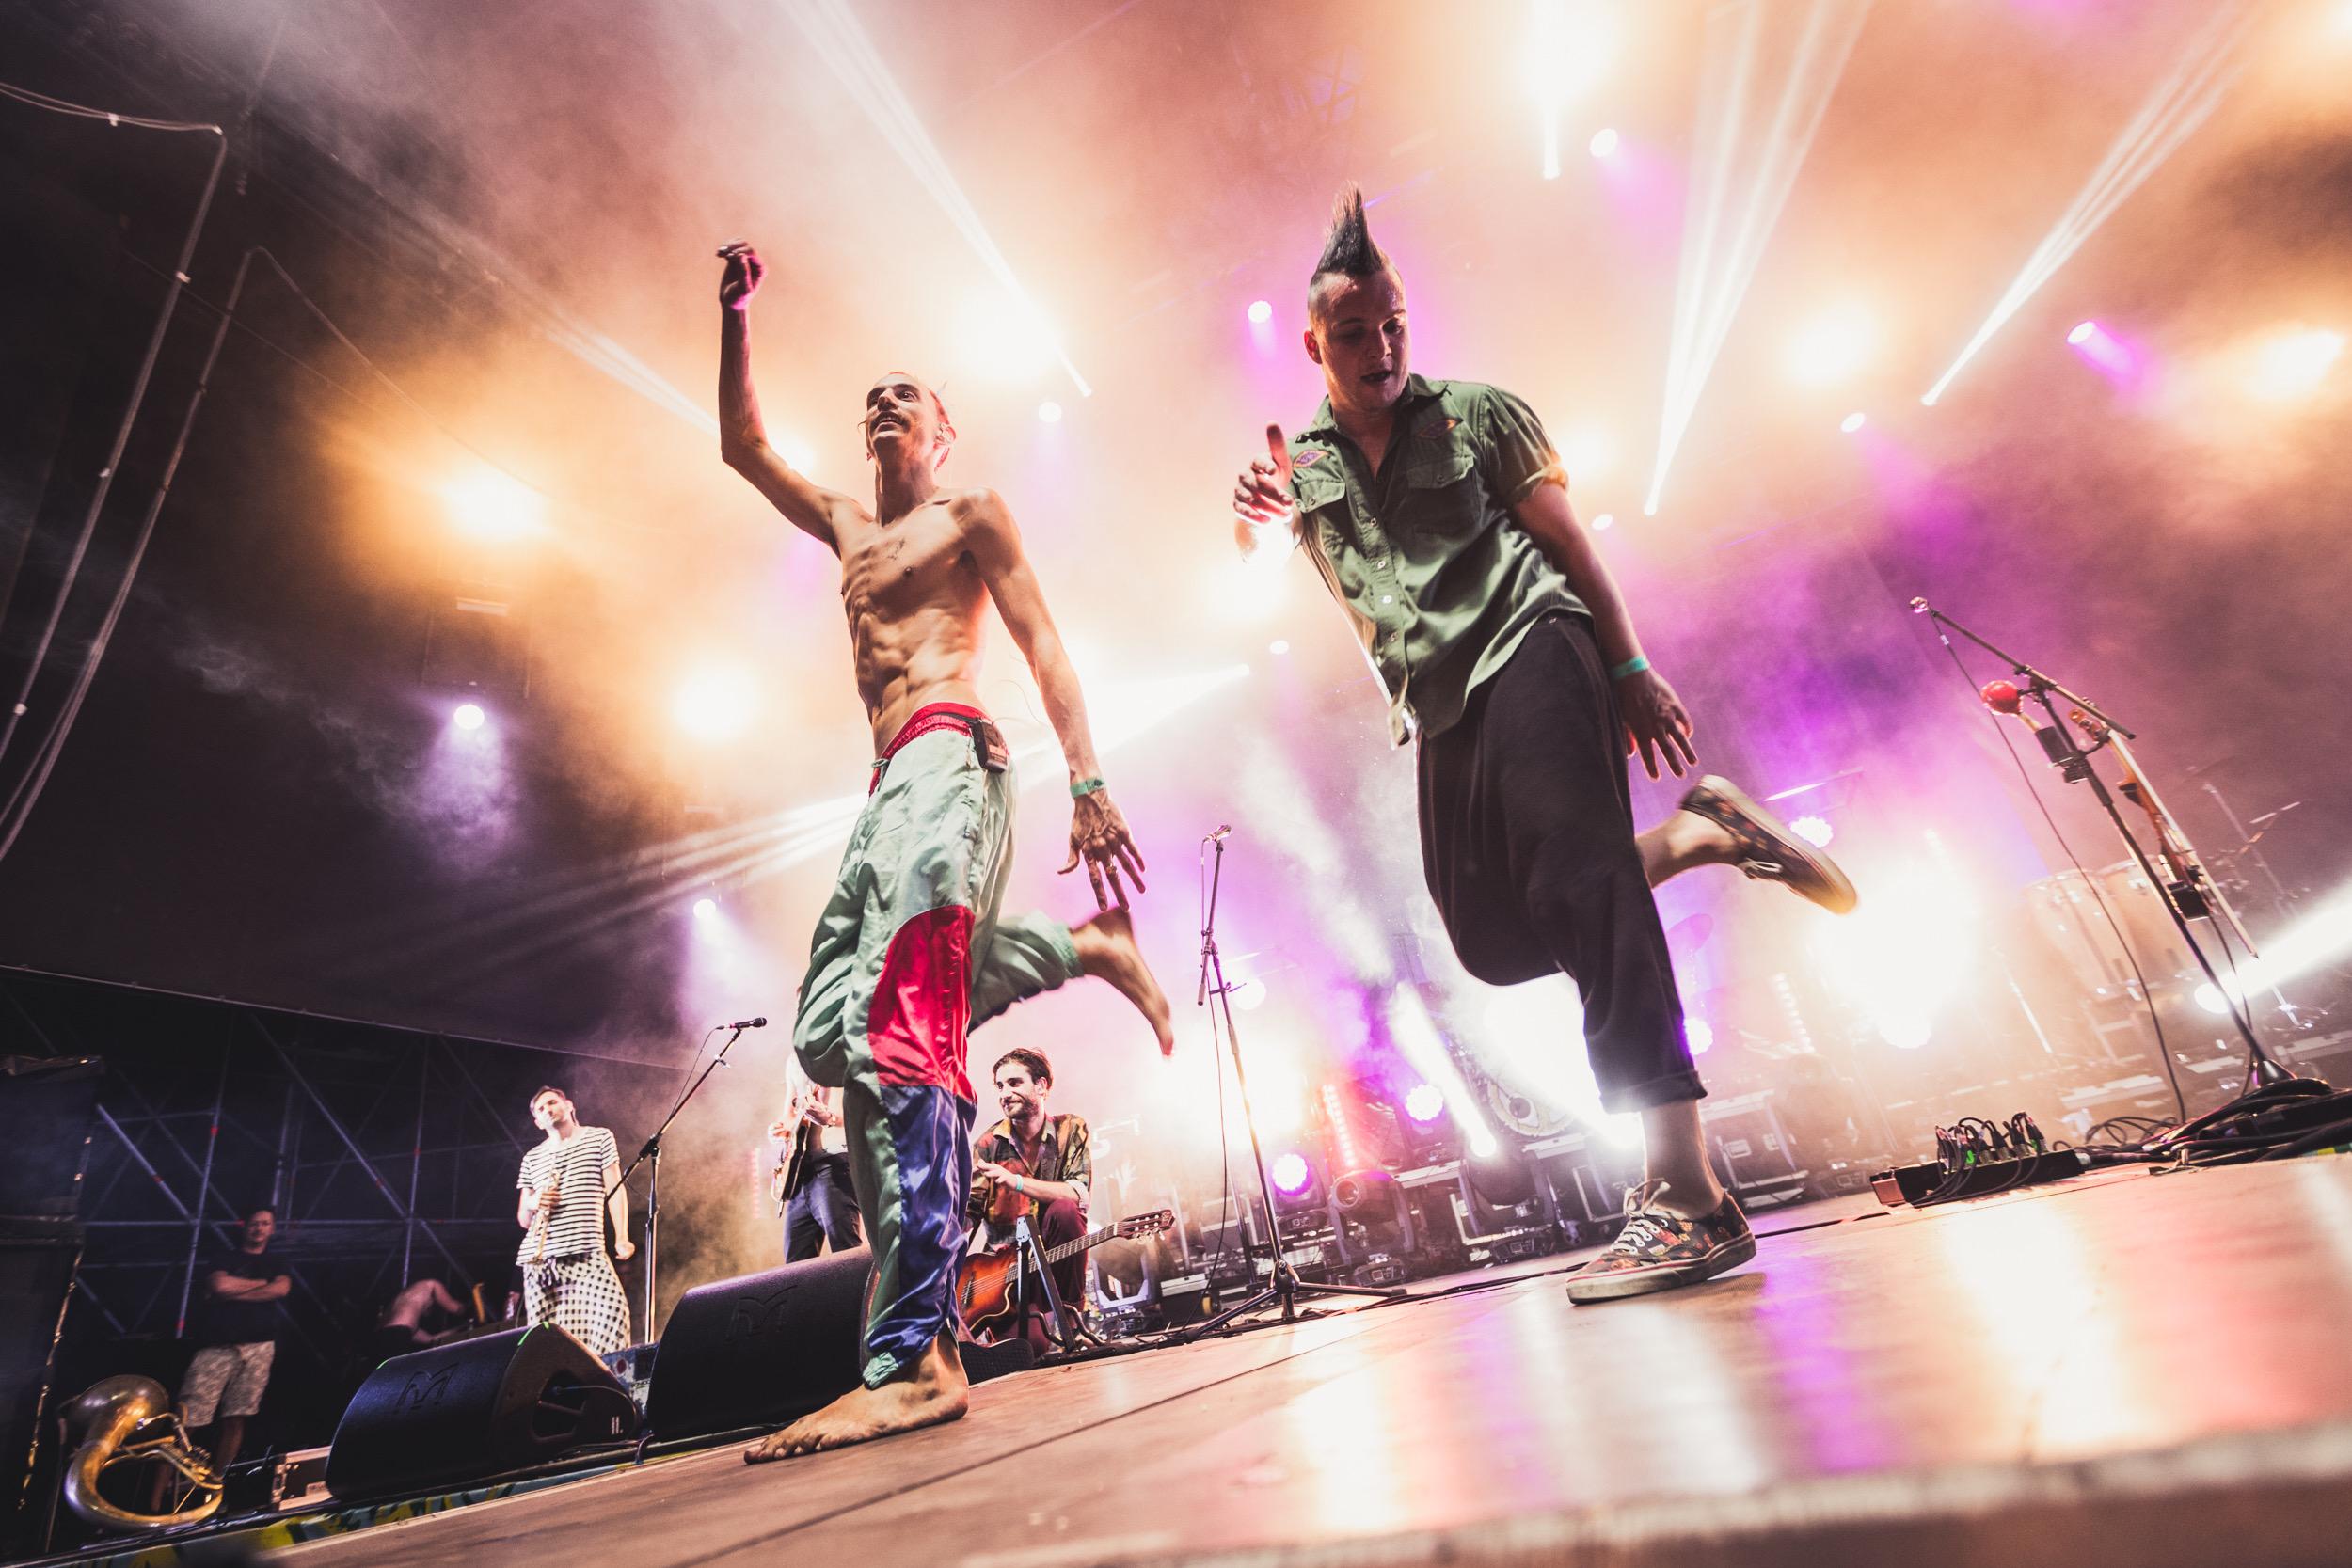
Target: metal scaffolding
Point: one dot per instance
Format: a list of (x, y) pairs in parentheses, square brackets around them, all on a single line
[(209, 1109)]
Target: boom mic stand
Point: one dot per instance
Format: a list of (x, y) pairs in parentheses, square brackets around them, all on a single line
[(653, 1152), (1284, 1287), (2180, 901)]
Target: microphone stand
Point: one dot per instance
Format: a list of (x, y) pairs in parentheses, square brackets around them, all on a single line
[(652, 1152), (2261, 1070), (1284, 1287)]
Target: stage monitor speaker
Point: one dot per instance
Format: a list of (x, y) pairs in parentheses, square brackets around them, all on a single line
[(761, 1350), (48, 1106), (475, 1408)]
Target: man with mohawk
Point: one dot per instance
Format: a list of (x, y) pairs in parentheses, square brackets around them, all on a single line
[(910, 953), (1439, 516)]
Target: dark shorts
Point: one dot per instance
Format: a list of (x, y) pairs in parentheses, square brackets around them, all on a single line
[(1527, 843)]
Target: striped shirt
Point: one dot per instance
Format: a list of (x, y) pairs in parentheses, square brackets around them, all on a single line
[(576, 1226)]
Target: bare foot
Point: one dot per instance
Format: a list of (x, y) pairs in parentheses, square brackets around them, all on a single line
[(1108, 950), (933, 1392)]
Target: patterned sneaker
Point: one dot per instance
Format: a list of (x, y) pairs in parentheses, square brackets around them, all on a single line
[(1659, 1251), (1768, 851)]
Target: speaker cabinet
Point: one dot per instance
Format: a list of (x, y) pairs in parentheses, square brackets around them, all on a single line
[(476, 1408), (761, 1350)]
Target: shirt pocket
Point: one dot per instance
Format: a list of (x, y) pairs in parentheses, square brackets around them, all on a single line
[(1442, 478), (1316, 490)]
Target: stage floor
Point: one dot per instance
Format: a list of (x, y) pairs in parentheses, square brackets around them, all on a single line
[(2131, 1368)]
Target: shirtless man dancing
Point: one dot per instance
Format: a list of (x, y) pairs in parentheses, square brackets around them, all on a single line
[(910, 953)]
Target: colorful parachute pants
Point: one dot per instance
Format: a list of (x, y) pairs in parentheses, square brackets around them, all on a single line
[(909, 957)]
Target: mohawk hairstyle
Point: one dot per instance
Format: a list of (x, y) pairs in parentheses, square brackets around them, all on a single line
[(1347, 248)]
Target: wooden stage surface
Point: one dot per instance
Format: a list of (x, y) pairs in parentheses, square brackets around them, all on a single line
[(2130, 1368)]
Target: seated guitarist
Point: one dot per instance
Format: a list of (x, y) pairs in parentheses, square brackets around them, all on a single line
[(820, 1210), (1045, 1162)]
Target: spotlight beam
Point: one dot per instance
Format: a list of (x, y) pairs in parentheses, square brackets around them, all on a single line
[(1416, 1038), (843, 46), (1717, 265), (2167, 117)]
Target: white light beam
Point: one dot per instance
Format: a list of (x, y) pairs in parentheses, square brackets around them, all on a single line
[(2180, 103)]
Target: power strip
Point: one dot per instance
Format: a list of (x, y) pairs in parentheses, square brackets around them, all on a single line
[(1974, 1158), (1933, 1181)]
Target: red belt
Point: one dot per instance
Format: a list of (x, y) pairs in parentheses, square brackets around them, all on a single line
[(932, 716)]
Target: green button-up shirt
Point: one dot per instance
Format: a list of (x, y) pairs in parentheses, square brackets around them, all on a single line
[(1425, 558)]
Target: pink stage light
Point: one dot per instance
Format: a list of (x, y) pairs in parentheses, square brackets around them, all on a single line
[(1853, 421), (1815, 830), (1603, 523), (1261, 313), (1698, 1034), (1425, 1103), (2109, 355), (1604, 143), (1049, 411), (706, 910), (1290, 1174), (468, 717)]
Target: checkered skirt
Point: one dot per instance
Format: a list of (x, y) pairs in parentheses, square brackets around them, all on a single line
[(582, 1296)]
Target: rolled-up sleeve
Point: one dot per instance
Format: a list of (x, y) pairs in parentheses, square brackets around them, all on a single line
[(1515, 456)]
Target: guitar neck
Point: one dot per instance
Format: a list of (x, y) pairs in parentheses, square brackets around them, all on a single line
[(1085, 1244)]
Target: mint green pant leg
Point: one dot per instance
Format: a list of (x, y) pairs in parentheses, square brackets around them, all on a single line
[(1024, 955)]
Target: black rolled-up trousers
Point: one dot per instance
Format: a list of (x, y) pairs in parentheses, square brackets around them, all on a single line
[(1527, 843)]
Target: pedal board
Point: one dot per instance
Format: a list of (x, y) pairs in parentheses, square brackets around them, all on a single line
[(1976, 1158), (1931, 1182)]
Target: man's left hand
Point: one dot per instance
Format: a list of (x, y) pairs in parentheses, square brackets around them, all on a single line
[(1655, 721), (1099, 836)]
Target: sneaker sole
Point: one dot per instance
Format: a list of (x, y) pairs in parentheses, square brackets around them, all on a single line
[(1823, 882), (1668, 1276)]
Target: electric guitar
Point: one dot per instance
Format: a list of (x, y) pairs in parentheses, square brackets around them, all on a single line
[(984, 1289), (808, 1130)]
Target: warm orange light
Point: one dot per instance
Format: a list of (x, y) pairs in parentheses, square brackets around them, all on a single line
[(1833, 347), (493, 508), (2292, 364)]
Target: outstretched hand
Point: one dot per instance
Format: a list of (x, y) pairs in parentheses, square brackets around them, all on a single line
[(1262, 493), (1656, 721), (1099, 836), (745, 273)]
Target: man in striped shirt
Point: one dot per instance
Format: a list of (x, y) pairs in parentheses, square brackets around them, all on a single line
[(568, 1186)]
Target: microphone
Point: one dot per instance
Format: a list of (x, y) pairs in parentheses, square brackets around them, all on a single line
[(2002, 697), (1218, 836), (742, 1023)]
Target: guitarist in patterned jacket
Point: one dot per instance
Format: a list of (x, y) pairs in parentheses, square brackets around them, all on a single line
[(1036, 1164)]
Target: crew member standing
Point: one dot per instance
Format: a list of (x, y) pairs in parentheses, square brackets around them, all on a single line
[(235, 1330), (570, 1185)]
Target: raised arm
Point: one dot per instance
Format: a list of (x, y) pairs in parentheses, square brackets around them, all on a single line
[(1098, 833), (1655, 720), (1262, 513), (742, 438)]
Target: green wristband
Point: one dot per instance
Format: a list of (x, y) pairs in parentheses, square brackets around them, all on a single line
[(1085, 787), (1633, 666)]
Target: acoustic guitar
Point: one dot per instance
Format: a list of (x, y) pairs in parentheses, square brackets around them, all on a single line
[(984, 1289)]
